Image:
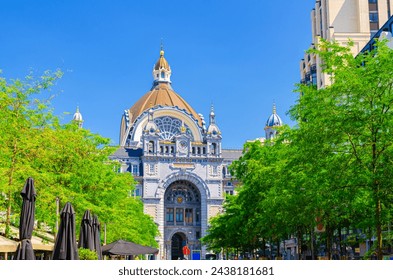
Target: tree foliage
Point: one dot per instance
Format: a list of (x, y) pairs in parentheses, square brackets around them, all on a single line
[(334, 166), (68, 163)]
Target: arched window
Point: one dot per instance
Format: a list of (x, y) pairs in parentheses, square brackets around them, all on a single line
[(213, 149), (151, 147), (182, 204), (170, 127)]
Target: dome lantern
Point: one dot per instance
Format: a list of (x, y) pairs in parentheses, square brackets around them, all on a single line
[(162, 70)]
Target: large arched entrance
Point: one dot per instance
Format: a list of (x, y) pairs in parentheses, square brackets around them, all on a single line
[(182, 217)]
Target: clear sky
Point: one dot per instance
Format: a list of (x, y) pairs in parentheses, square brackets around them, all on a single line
[(240, 56)]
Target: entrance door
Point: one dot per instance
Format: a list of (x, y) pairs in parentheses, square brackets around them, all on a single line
[(178, 241)]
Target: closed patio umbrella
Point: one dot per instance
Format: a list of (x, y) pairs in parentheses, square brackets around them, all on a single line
[(97, 237), (86, 238), (26, 224), (65, 244)]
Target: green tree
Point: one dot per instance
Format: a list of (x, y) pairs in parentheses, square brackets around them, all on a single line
[(21, 118), (350, 123), (67, 163)]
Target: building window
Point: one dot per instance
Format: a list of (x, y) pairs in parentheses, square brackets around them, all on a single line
[(197, 215), (136, 192), (197, 234), (169, 214), (179, 215), (374, 17), (151, 147), (151, 168), (213, 148), (214, 170), (134, 169), (224, 171), (170, 127), (188, 217)]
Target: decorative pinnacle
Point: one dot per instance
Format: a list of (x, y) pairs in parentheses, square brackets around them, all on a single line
[(183, 128), (274, 108), (211, 109), (161, 48), (212, 114)]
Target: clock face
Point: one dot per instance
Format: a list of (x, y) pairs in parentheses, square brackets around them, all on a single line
[(183, 146)]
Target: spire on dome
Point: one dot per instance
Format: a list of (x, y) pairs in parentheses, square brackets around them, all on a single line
[(213, 129), (212, 115)]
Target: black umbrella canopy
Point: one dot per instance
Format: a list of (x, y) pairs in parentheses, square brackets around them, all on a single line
[(122, 247), (86, 237), (26, 224), (65, 245), (97, 237)]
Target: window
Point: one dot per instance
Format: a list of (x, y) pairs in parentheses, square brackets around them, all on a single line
[(169, 127), (373, 17), (151, 147), (188, 217), (179, 215), (134, 169), (197, 215), (214, 148), (151, 168), (163, 75), (136, 192), (169, 214)]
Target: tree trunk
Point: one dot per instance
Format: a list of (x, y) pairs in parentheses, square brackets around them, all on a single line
[(299, 245), (379, 228), (10, 181), (312, 244), (328, 243)]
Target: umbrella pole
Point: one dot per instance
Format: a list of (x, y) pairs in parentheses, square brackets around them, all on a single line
[(105, 234), (57, 215)]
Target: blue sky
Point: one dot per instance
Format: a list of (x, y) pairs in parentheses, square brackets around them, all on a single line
[(239, 55)]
